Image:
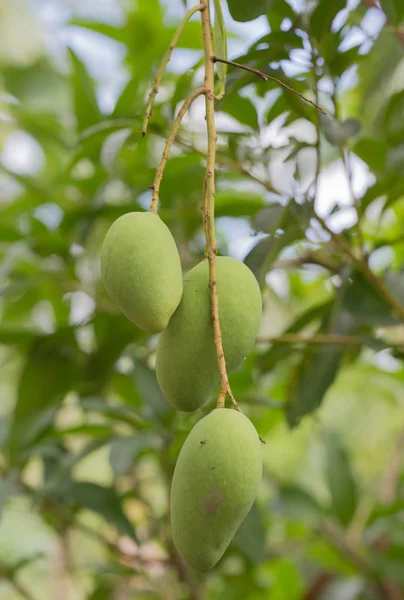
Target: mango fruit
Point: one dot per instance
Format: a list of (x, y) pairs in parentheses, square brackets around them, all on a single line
[(215, 483), (141, 270), (186, 362)]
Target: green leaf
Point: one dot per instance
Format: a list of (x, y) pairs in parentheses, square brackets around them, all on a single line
[(102, 500), (278, 351), (323, 16), (241, 109), (220, 43), (364, 304), (312, 378), (261, 257), (147, 386), (269, 219), (393, 10), (394, 119), (251, 536), (124, 451), (49, 372), (85, 102), (8, 487), (373, 152), (337, 132), (389, 564), (295, 504), (243, 11), (116, 412), (237, 204), (341, 482)]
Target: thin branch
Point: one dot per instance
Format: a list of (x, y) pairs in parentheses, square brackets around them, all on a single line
[(208, 202), (267, 77), (362, 266), (319, 338), (162, 68), (308, 259), (167, 148)]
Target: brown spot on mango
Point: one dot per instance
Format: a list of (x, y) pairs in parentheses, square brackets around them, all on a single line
[(213, 500)]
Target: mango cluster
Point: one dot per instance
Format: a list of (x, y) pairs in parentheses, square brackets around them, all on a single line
[(218, 471)]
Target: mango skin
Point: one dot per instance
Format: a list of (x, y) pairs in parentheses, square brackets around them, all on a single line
[(215, 483), (141, 270), (186, 362)]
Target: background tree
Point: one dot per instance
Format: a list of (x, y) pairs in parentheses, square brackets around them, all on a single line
[(314, 205)]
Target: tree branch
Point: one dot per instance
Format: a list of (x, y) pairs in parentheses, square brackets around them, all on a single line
[(160, 169), (208, 202), (162, 68), (267, 77)]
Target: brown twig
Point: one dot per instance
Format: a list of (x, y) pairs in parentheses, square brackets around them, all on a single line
[(208, 203), (267, 77), (171, 138), (362, 266), (162, 68), (318, 586)]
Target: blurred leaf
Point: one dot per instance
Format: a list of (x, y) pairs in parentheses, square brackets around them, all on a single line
[(8, 487), (111, 147), (115, 412), (104, 591), (85, 102), (373, 152), (312, 378), (237, 204), (50, 370), (102, 500), (341, 482), (124, 451), (323, 15), (390, 564), (319, 366), (365, 305), (269, 219), (220, 42), (251, 536), (241, 109), (295, 504), (394, 118), (278, 351), (337, 132), (146, 383), (247, 11), (394, 10)]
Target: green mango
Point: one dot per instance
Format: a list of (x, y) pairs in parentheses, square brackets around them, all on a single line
[(186, 362), (141, 270), (215, 483)]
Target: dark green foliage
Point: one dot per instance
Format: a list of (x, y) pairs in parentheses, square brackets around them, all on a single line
[(88, 442)]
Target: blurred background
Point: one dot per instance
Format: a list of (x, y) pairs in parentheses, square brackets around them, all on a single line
[(314, 204)]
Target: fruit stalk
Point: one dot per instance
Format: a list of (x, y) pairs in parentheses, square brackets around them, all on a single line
[(171, 139), (208, 201), (165, 61)]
